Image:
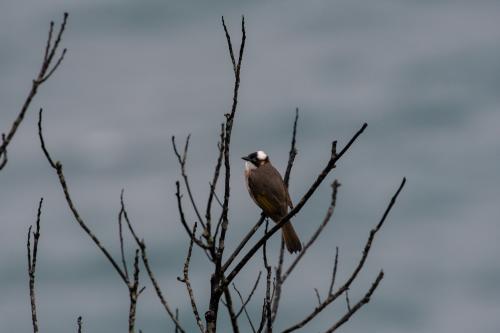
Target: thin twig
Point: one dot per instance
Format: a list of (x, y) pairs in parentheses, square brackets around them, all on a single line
[(49, 40), (243, 307), (244, 303), (347, 300), (177, 318), (3, 157), (186, 281), (317, 295), (279, 281), (213, 185), (229, 45), (230, 310), (58, 62), (182, 162), (120, 233), (293, 150), (334, 273), (133, 294), (32, 265), (183, 219), (79, 324), (358, 305)]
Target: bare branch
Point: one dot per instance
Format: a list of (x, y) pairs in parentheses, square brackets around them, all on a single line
[(182, 163), (49, 40), (331, 164), (186, 281), (57, 166), (227, 142), (32, 265), (244, 242), (268, 297), (230, 310), (184, 223), (58, 62), (229, 45), (120, 233), (358, 305), (79, 324), (279, 281), (177, 318), (291, 158), (329, 213), (347, 300), (133, 294), (3, 157), (317, 296), (354, 274), (293, 150), (159, 293), (334, 273), (145, 260), (218, 275), (42, 141), (262, 317), (43, 74), (213, 184), (244, 303), (243, 307)]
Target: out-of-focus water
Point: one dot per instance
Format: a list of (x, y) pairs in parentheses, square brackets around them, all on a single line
[(423, 74)]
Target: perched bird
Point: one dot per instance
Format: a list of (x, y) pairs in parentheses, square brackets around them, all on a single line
[(268, 190)]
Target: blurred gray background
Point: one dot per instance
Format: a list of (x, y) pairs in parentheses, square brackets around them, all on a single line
[(425, 76)]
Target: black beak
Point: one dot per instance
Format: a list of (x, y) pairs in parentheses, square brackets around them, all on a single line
[(246, 158)]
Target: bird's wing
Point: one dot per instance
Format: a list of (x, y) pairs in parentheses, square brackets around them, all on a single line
[(269, 191)]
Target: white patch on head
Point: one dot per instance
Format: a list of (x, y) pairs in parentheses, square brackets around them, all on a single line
[(261, 155)]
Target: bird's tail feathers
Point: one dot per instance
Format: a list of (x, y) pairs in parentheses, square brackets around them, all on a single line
[(291, 239)]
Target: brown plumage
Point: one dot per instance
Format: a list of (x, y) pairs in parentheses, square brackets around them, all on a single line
[(268, 190)]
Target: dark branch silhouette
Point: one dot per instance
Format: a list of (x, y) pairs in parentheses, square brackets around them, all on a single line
[(79, 324), (32, 256), (227, 266), (333, 296), (46, 70)]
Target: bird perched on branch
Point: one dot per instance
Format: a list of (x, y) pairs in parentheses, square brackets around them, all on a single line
[(268, 190)]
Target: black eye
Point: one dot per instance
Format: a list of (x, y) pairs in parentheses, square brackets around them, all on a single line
[(253, 156)]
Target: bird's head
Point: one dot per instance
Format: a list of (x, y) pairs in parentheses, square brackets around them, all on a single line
[(257, 159)]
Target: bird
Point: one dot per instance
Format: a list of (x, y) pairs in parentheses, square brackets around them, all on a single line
[(269, 192)]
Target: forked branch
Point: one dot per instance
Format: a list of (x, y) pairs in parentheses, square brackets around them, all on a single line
[(47, 68), (333, 296), (280, 280), (142, 247)]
